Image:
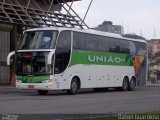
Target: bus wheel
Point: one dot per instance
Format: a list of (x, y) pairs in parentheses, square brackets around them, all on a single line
[(74, 87), (43, 92), (125, 84), (132, 84)]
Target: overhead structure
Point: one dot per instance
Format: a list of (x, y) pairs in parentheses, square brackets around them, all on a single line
[(38, 13), (18, 15)]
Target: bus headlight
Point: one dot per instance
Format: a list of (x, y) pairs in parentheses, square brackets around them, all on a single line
[(46, 81), (19, 81)]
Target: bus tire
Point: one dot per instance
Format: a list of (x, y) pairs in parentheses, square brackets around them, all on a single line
[(132, 84), (125, 84), (74, 87), (43, 92)]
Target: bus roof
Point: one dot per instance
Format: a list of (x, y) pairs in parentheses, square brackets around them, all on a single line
[(90, 31)]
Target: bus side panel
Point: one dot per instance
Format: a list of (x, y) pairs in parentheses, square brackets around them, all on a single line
[(94, 76)]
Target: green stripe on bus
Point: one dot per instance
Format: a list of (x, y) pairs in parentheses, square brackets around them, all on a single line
[(32, 79), (100, 58)]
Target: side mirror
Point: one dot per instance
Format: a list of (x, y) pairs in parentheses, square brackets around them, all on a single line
[(9, 60)]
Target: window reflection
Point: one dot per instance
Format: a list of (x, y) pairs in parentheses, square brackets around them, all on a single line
[(39, 40)]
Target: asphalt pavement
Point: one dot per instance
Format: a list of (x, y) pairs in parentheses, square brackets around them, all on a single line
[(59, 105)]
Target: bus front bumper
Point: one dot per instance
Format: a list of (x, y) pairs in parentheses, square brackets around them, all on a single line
[(35, 86)]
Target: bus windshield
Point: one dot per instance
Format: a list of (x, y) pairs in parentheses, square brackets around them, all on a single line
[(32, 63), (39, 40)]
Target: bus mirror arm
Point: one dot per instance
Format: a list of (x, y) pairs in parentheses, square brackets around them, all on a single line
[(9, 57), (50, 55)]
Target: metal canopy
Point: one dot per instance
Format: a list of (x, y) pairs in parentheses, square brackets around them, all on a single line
[(62, 1), (38, 13)]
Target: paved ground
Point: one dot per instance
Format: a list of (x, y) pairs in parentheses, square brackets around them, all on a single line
[(13, 101)]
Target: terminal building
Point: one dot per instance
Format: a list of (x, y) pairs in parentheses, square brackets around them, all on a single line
[(18, 15)]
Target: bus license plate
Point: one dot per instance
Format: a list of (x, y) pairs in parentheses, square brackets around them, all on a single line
[(31, 86)]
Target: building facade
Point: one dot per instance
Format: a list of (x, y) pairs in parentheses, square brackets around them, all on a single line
[(153, 46), (107, 26)]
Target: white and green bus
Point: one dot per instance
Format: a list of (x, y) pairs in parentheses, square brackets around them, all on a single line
[(72, 59)]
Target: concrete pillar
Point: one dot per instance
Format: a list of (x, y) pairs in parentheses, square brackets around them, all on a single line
[(5, 31), (13, 46)]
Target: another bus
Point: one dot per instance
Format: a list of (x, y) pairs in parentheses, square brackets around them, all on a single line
[(71, 59)]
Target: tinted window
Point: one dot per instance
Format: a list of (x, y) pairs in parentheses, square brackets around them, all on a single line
[(103, 44), (62, 55), (114, 45), (132, 47), (91, 42), (78, 40), (124, 46), (64, 41), (140, 48)]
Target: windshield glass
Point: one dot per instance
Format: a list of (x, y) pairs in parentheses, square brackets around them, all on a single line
[(32, 63), (39, 40)]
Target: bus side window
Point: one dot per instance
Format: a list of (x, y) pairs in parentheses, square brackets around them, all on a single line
[(63, 49), (132, 48), (114, 45), (141, 48), (103, 44), (124, 46), (78, 40), (91, 42), (64, 40)]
